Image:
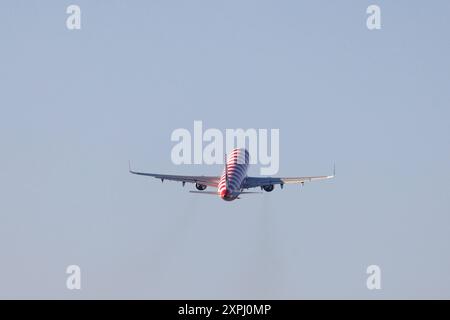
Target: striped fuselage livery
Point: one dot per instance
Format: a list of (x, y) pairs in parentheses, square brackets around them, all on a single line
[(234, 173)]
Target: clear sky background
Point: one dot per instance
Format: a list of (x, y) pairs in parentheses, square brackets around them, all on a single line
[(76, 105)]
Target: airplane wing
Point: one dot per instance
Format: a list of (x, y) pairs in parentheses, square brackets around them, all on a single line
[(253, 182), (205, 180)]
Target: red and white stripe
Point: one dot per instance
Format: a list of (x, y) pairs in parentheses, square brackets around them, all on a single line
[(236, 167)]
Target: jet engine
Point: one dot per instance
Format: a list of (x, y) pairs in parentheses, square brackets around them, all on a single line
[(268, 188), (200, 186)]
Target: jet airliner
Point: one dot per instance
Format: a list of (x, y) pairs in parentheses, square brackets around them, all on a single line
[(234, 180)]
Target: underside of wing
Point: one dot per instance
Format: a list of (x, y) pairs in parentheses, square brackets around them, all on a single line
[(204, 180), (253, 182)]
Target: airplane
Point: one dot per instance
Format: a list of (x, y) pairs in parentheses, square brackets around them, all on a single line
[(234, 180)]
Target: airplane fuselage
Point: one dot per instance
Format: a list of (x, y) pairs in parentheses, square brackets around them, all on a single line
[(234, 173)]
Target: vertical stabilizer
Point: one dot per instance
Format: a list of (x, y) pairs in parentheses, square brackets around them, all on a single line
[(226, 171)]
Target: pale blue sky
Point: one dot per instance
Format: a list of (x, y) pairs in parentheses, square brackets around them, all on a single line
[(76, 105)]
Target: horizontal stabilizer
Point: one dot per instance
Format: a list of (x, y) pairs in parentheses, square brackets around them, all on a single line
[(205, 192), (250, 192)]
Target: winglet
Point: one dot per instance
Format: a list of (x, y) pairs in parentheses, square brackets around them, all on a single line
[(334, 172), (129, 167)]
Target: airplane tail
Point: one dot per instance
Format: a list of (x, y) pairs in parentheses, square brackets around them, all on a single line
[(226, 171), (214, 193)]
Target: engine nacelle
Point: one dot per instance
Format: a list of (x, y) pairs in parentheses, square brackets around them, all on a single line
[(200, 186), (268, 188)]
